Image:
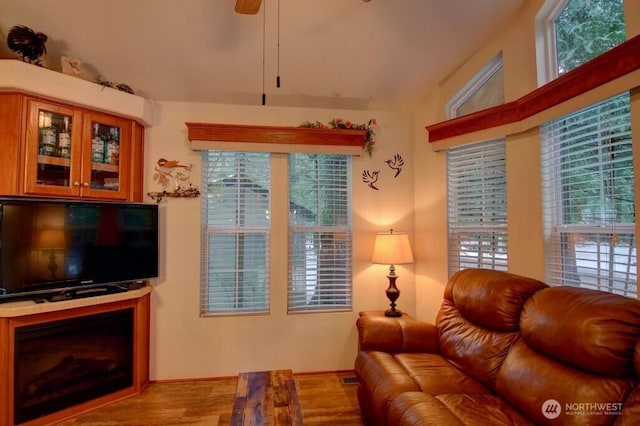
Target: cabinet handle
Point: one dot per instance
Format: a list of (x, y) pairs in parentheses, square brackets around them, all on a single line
[(76, 183), (85, 184)]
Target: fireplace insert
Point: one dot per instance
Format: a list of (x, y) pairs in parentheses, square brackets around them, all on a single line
[(67, 362)]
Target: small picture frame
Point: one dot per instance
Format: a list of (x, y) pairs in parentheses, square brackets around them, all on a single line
[(71, 66)]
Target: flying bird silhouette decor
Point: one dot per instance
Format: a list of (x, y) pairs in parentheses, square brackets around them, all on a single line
[(168, 171), (30, 45), (396, 164), (370, 178)]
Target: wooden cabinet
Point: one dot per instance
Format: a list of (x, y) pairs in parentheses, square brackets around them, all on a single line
[(61, 150), (15, 315)]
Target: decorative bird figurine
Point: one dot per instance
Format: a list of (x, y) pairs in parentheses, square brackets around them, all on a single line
[(171, 170), (396, 164), (168, 166), (370, 178), (27, 43)]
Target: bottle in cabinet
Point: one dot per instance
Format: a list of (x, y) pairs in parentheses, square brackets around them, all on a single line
[(47, 132), (64, 139), (111, 138), (112, 147), (97, 145)]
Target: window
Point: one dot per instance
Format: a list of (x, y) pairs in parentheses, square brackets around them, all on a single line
[(589, 198), (235, 235), (238, 204), (319, 232), (589, 217), (477, 206), (485, 90), (476, 181), (586, 29), (572, 32)]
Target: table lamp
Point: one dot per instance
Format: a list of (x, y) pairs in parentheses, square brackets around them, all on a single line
[(392, 248), (51, 240)]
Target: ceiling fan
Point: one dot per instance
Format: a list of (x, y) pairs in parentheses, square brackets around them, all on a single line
[(251, 7)]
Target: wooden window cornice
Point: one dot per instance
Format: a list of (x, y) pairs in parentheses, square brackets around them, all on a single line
[(611, 65), (204, 135)]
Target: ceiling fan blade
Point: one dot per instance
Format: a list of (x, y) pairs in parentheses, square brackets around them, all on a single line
[(248, 7)]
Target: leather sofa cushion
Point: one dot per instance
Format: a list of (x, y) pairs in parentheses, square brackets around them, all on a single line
[(528, 378), (474, 349), (630, 410), (479, 319), (397, 335), (468, 409), (435, 375), (593, 331), (490, 299), (384, 376), (381, 378)]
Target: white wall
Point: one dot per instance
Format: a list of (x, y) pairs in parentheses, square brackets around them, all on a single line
[(185, 345)]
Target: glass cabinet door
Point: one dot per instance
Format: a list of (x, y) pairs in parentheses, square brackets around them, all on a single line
[(105, 156), (54, 148), (52, 138), (106, 141), (75, 152)]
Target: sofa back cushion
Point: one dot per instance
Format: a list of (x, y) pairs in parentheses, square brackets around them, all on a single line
[(577, 350), (586, 329), (479, 319)]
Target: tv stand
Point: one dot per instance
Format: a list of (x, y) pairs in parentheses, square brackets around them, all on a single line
[(26, 313)]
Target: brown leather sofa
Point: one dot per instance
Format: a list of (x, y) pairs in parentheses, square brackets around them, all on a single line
[(505, 350)]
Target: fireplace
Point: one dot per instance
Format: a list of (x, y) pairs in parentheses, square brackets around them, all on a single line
[(58, 360), (63, 363)]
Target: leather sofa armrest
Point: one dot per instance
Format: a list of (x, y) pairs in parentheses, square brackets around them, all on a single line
[(396, 335)]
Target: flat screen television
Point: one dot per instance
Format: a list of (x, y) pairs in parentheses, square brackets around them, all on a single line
[(59, 249)]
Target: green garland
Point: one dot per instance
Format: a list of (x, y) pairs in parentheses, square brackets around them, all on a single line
[(339, 123)]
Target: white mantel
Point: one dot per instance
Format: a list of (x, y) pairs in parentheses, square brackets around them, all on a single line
[(21, 76), (29, 307)]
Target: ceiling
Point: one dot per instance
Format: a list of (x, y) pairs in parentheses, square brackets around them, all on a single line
[(384, 54)]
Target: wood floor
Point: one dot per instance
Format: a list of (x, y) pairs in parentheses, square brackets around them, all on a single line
[(325, 399)]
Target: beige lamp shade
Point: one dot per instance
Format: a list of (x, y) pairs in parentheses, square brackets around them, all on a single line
[(51, 239), (392, 248)]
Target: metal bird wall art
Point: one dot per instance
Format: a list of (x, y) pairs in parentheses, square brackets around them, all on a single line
[(168, 171), (30, 45), (171, 171), (396, 164), (370, 178)]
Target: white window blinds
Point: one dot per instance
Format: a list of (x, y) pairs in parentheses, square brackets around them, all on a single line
[(589, 216), (319, 233), (235, 233), (477, 206)]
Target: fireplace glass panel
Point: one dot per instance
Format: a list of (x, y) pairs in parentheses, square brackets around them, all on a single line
[(64, 363)]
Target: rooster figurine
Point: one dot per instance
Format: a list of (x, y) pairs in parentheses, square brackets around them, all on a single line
[(370, 178), (27, 43)]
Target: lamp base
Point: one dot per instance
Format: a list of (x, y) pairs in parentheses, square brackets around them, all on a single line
[(392, 313), (392, 294)]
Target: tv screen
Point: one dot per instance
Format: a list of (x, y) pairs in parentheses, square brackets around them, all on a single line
[(51, 245)]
